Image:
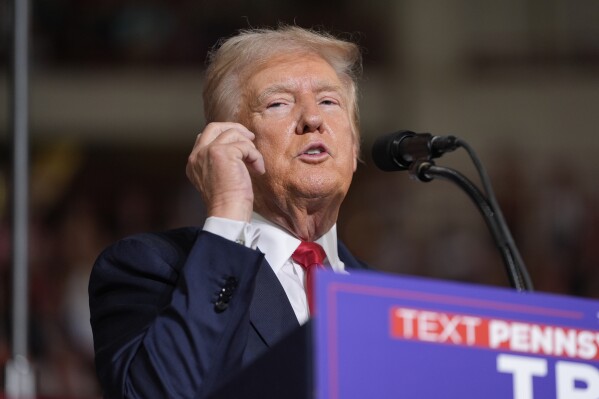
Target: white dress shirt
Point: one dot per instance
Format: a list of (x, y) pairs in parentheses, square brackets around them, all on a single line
[(278, 245)]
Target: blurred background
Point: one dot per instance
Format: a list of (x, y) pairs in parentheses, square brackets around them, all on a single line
[(116, 105)]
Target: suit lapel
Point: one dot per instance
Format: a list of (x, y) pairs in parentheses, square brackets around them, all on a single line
[(271, 314), (348, 259)]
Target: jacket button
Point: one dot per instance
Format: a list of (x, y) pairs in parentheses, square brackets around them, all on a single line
[(220, 306), (225, 294)]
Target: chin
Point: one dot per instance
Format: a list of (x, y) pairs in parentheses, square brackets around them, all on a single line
[(321, 187)]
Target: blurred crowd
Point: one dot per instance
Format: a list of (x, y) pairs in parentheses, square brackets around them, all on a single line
[(84, 198), (80, 203)]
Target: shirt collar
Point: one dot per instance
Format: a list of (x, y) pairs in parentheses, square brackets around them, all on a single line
[(278, 245)]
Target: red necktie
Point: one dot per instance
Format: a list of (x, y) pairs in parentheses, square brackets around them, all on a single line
[(310, 256)]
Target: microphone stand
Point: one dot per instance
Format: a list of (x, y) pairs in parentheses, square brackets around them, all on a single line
[(486, 181), (425, 170)]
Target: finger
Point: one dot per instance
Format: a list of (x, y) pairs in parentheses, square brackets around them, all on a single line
[(226, 137), (219, 145), (247, 152), (231, 136), (208, 138), (198, 137), (235, 147), (254, 160), (215, 129)]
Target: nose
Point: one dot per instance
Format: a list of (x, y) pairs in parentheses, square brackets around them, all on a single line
[(310, 119)]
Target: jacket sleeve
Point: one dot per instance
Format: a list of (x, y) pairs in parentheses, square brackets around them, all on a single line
[(162, 326)]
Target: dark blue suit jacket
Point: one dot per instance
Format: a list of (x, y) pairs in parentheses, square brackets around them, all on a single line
[(161, 329)]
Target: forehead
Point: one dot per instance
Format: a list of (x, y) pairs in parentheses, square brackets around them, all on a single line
[(292, 71)]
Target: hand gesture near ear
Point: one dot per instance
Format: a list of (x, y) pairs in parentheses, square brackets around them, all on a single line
[(219, 166)]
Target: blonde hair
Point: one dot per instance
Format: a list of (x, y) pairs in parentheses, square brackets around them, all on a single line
[(236, 57)]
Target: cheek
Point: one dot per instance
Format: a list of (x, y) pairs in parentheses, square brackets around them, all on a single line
[(349, 162), (273, 150), (348, 146), (275, 140)]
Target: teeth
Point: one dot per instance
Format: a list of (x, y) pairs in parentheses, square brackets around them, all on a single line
[(314, 151)]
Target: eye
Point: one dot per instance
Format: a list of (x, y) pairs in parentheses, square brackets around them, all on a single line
[(329, 101), (276, 104)]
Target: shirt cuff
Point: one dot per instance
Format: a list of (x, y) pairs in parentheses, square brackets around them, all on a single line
[(234, 230)]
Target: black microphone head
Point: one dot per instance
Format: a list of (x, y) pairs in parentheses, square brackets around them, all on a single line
[(385, 151)]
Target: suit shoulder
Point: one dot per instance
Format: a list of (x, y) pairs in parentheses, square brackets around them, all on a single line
[(168, 248), (348, 259)]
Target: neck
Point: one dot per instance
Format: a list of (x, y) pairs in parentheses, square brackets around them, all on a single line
[(307, 220)]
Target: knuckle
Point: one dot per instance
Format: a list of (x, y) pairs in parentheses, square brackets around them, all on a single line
[(213, 151), (211, 125), (191, 159)]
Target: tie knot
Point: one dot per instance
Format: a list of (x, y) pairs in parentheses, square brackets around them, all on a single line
[(309, 254)]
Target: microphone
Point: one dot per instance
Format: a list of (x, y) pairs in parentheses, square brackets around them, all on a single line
[(399, 150)]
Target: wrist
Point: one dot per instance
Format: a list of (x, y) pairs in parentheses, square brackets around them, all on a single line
[(238, 210), (242, 233)]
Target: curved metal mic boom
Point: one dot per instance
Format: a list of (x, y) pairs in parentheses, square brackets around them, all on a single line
[(426, 171), (414, 151)]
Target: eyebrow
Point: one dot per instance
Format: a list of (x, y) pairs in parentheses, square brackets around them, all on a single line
[(320, 86)]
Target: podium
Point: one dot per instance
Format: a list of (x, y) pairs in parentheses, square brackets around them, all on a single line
[(386, 336)]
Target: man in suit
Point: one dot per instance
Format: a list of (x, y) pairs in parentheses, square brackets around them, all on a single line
[(175, 314)]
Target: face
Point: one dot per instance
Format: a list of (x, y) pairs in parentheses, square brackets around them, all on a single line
[(298, 109)]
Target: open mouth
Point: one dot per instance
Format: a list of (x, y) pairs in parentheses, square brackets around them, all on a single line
[(314, 149)]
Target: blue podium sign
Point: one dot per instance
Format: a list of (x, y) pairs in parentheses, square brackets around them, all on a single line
[(387, 336)]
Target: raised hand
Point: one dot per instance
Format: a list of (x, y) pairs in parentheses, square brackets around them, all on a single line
[(220, 165)]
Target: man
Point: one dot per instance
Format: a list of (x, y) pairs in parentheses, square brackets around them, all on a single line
[(175, 314)]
